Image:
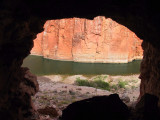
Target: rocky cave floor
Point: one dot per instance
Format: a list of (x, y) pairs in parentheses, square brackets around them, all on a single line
[(58, 91)]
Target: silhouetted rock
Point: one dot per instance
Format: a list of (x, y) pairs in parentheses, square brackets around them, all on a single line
[(97, 108)]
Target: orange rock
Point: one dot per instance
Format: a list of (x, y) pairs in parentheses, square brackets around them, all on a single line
[(82, 40)]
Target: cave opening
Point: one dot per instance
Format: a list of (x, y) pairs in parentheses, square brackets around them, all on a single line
[(94, 53), (22, 20)]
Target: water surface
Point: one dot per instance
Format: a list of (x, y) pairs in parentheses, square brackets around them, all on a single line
[(42, 66)]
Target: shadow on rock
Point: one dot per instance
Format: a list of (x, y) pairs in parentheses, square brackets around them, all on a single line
[(97, 108), (147, 108)]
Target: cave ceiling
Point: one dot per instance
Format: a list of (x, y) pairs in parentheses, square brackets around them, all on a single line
[(140, 16)]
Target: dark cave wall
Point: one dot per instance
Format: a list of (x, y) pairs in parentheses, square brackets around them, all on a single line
[(17, 84), (150, 70), (20, 21)]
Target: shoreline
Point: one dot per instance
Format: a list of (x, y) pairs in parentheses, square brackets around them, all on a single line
[(67, 77), (88, 75), (107, 61)]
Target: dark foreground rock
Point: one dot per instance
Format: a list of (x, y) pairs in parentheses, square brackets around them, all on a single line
[(97, 108), (19, 105)]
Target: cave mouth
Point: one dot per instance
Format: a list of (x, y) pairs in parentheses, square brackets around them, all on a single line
[(101, 40), (22, 20), (73, 72)]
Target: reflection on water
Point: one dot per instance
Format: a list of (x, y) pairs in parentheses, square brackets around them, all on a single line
[(41, 66)]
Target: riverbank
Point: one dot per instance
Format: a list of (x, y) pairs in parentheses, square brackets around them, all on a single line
[(88, 61), (62, 90)]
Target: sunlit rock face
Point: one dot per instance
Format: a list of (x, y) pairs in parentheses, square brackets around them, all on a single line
[(98, 40)]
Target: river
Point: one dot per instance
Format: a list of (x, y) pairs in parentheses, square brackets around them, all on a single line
[(42, 66)]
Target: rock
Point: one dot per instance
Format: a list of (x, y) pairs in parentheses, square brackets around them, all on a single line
[(97, 108), (20, 97), (125, 98), (79, 89), (52, 111), (22, 20), (150, 70), (98, 40), (128, 87), (147, 108), (56, 78), (71, 92), (30, 85)]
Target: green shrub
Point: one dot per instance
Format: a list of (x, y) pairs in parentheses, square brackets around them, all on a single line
[(122, 84), (100, 77), (114, 87), (97, 83), (82, 82), (101, 84)]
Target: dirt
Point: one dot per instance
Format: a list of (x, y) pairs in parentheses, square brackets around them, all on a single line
[(60, 90)]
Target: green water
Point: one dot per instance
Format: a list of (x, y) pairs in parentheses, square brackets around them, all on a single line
[(41, 66)]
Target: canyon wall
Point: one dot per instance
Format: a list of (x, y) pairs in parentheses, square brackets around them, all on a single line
[(81, 40)]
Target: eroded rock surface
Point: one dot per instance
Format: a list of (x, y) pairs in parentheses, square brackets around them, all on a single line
[(150, 70), (16, 103), (98, 40), (146, 108)]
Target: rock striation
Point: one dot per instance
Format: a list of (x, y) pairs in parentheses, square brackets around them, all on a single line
[(82, 40)]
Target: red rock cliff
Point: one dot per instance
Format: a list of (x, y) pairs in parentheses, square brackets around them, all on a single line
[(99, 40)]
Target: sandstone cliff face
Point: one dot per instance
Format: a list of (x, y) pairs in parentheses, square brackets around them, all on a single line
[(98, 40)]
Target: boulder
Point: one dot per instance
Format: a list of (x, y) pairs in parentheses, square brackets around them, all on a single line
[(97, 108)]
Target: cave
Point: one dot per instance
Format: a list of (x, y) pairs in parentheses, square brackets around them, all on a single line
[(21, 21)]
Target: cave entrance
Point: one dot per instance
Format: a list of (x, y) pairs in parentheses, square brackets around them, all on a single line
[(100, 54)]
